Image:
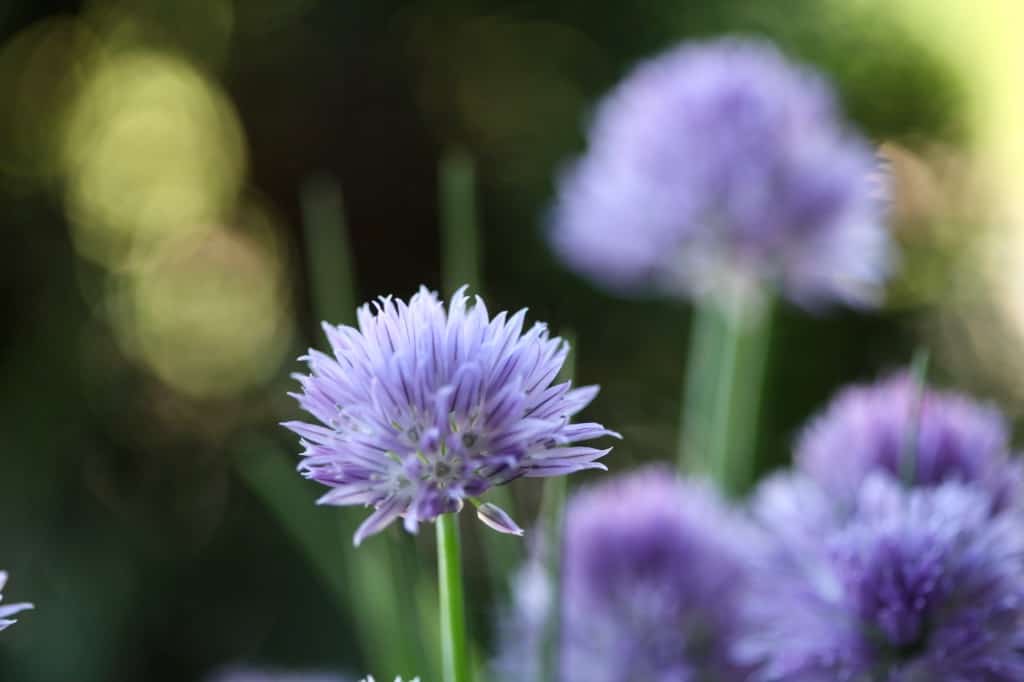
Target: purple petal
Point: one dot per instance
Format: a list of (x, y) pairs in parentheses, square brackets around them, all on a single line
[(495, 517)]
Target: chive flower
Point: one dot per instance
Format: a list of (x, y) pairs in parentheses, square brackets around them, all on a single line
[(919, 584), (923, 438), (421, 408), (723, 166), (652, 574), (8, 610)]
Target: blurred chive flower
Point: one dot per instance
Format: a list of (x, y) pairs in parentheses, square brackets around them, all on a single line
[(719, 167), (397, 679), (652, 573), (8, 610), (916, 585), (923, 438), (422, 408)]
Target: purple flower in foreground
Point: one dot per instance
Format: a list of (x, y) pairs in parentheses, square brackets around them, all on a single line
[(867, 429), (8, 610), (719, 167), (653, 570), (920, 585), (422, 408)]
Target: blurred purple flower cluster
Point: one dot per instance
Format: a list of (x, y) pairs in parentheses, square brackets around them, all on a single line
[(648, 583), (719, 168), (884, 578)]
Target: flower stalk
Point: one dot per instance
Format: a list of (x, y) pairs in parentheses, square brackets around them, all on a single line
[(454, 651), (722, 391)]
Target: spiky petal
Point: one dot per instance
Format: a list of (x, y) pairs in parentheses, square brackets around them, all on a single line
[(8, 610)]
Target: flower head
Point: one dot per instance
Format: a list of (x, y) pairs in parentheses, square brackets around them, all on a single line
[(924, 438), (653, 567), (421, 408), (8, 610), (722, 166), (917, 585)]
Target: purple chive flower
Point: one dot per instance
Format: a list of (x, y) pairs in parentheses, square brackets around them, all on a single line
[(8, 610), (653, 568), (917, 585), (867, 429), (422, 408), (722, 166)]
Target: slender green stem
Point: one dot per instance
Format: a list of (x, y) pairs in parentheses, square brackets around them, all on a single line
[(454, 652), (919, 374), (460, 259), (719, 426), (698, 388), (755, 346), (722, 391), (328, 255)]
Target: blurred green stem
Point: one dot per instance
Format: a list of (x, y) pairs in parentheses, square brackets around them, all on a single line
[(454, 652), (460, 258), (328, 255), (919, 375), (722, 393)]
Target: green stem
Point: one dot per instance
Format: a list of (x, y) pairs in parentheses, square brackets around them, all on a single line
[(328, 255), (755, 345), (919, 374), (454, 653), (698, 388), (722, 392), (460, 258), (718, 430)]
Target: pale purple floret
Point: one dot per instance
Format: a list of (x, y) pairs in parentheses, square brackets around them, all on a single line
[(870, 428), (653, 572), (722, 166), (422, 408), (8, 610), (917, 585)]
